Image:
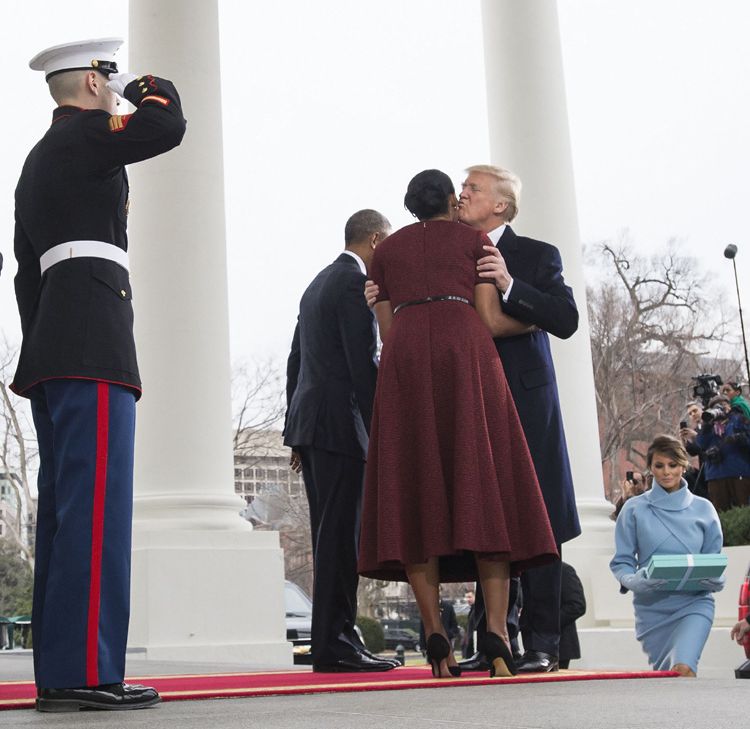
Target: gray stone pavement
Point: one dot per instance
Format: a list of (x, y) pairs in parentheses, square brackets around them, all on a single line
[(703, 703)]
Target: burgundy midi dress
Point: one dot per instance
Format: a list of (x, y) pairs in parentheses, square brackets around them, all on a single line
[(448, 470)]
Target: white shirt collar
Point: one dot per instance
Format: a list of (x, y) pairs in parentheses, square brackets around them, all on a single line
[(495, 235), (359, 261)]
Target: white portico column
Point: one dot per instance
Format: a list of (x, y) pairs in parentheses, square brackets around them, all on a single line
[(529, 134), (205, 586)]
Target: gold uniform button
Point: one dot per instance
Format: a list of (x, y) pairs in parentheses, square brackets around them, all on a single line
[(123, 293)]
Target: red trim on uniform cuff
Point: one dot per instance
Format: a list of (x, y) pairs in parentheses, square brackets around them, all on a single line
[(160, 99), (97, 533)]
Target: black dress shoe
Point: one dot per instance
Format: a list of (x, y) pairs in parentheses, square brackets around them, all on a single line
[(109, 697), (477, 662), (396, 663), (353, 664), (537, 662)]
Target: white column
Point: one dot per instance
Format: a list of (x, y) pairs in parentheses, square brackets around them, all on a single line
[(205, 586), (529, 134)]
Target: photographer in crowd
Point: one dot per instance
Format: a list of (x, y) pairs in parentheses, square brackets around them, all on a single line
[(635, 484), (695, 477), (733, 391), (724, 439)]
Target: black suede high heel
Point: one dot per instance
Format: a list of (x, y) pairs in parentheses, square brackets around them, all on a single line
[(438, 649), (498, 655)]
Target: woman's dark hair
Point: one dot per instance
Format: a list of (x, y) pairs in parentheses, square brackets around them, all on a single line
[(669, 446), (427, 194)]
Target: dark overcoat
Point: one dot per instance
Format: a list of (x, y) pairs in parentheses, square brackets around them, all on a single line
[(539, 296)]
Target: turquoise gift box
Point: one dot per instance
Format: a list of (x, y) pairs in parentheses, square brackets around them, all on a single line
[(685, 571)]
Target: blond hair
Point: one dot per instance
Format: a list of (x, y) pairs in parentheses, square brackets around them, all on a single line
[(507, 187)]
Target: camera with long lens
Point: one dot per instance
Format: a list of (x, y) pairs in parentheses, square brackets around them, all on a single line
[(711, 414), (706, 387)]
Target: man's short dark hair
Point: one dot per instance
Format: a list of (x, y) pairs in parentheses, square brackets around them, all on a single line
[(363, 224)]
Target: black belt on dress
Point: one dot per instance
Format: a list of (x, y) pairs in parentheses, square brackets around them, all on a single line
[(429, 300)]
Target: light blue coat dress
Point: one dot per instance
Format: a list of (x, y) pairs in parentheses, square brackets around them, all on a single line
[(671, 626)]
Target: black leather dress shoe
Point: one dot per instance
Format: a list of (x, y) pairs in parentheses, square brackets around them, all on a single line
[(477, 662), (537, 662), (396, 663), (353, 664), (109, 697)]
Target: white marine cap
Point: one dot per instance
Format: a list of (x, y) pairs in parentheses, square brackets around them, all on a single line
[(97, 54)]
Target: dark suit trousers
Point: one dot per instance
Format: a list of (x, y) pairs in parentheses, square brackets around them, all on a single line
[(334, 484), (540, 617)]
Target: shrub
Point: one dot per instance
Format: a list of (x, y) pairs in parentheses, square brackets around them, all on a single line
[(372, 634), (735, 523), (16, 581)]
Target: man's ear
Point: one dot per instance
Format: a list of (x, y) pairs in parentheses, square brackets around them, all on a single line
[(501, 206), (93, 83)]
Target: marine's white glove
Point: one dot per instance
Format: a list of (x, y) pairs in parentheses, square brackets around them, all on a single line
[(118, 81), (638, 582)]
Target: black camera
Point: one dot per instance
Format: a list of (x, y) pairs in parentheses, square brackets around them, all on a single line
[(711, 414), (706, 387)]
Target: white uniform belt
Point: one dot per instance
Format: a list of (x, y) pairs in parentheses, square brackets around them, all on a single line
[(84, 249)]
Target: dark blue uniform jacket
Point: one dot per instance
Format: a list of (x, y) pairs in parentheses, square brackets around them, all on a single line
[(77, 319)]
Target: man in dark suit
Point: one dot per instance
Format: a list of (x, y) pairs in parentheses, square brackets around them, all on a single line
[(78, 365), (528, 275), (331, 375)]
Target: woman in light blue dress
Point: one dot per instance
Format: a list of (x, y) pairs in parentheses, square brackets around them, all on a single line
[(671, 626)]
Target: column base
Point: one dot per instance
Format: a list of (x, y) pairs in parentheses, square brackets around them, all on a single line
[(590, 554), (209, 596), (188, 511)]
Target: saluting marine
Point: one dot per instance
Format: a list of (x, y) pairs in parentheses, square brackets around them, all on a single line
[(78, 364)]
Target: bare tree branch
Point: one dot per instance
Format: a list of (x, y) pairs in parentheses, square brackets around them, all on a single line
[(653, 325)]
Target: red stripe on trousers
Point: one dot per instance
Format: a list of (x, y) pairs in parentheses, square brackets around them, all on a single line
[(97, 533)]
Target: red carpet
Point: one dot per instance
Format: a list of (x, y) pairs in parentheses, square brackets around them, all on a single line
[(20, 694)]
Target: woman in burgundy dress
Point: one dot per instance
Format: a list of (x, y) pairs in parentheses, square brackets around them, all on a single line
[(450, 491)]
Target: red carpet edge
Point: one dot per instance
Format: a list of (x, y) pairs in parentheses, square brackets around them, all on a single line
[(21, 694)]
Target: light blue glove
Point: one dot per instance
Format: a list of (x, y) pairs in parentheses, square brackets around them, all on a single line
[(638, 582), (118, 81), (713, 584)]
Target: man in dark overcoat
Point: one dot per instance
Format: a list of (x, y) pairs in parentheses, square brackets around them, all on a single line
[(78, 365), (331, 375), (528, 274)]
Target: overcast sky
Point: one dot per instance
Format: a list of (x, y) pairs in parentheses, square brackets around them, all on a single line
[(332, 106)]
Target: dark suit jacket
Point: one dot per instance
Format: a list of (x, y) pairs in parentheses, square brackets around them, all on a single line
[(77, 318), (332, 366), (572, 607), (539, 296)]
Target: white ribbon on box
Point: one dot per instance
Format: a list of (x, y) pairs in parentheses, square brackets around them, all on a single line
[(688, 572)]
